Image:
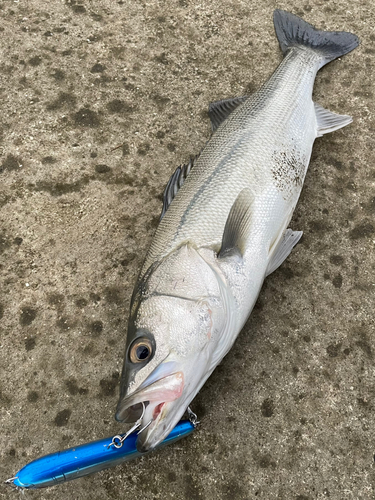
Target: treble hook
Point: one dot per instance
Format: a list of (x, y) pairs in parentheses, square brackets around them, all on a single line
[(118, 440)]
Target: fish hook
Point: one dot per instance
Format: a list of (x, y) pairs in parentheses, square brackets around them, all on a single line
[(118, 440)]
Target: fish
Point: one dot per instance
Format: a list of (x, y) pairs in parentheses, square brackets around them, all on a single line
[(223, 230)]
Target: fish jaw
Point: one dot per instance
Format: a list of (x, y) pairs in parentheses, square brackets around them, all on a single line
[(166, 398), (156, 393), (164, 417)]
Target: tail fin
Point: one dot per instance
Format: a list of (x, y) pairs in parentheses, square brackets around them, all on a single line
[(293, 31)]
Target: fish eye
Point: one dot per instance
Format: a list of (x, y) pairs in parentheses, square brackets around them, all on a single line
[(140, 351)]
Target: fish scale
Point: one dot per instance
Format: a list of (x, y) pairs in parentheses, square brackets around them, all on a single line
[(253, 148), (224, 228)]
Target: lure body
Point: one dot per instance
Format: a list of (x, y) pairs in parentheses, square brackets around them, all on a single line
[(85, 459)]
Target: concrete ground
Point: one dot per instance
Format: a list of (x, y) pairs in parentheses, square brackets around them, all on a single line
[(100, 101)]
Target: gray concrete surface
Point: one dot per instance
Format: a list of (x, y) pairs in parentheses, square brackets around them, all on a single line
[(289, 414)]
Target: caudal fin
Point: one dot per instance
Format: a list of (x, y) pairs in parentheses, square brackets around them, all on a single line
[(292, 31)]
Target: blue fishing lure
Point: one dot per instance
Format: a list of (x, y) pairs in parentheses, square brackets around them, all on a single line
[(87, 458)]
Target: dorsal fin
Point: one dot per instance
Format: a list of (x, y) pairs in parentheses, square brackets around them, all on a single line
[(174, 184), (220, 110)]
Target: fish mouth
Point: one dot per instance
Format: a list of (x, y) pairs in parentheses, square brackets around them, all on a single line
[(157, 400)]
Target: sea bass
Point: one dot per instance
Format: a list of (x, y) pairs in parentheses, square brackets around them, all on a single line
[(223, 229)]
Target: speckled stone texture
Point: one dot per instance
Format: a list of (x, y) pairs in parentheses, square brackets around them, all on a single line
[(100, 101)]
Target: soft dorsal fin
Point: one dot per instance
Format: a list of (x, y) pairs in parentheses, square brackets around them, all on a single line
[(285, 246), (220, 110), (237, 227), (174, 184), (329, 121)]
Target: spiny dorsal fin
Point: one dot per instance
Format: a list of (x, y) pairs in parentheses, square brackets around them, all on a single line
[(283, 249), (329, 121), (237, 227), (174, 184), (220, 110)]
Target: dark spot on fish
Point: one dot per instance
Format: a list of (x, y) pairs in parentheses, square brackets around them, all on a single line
[(108, 385), (35, 61), (102, 169), (96, 328), (267, 408), (143, 148), (337, 281), (362, 230), (32, 396), (121, 107), (62, 417), (55, 299), (337, 260), (288, 171), (30, 343), (27, 316), (85, 117), (81, 303), (10, 163), (333, 350)]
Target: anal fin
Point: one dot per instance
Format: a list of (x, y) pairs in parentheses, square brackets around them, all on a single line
[(329, 121), (283, 249)]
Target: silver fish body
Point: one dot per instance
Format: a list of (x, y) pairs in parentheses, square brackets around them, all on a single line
[(224, 231)]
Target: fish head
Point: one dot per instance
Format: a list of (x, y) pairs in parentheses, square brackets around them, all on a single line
[(168, 355)]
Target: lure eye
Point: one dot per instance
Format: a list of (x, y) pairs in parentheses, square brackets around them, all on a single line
[(140, 351)]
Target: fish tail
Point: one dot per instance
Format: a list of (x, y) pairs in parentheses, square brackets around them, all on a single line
[(292, 31)]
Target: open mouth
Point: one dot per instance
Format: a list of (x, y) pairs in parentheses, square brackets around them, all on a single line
[(154, 397)]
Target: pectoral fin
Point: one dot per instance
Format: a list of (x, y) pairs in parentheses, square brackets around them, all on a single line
[(237, 227), (283, 249)]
